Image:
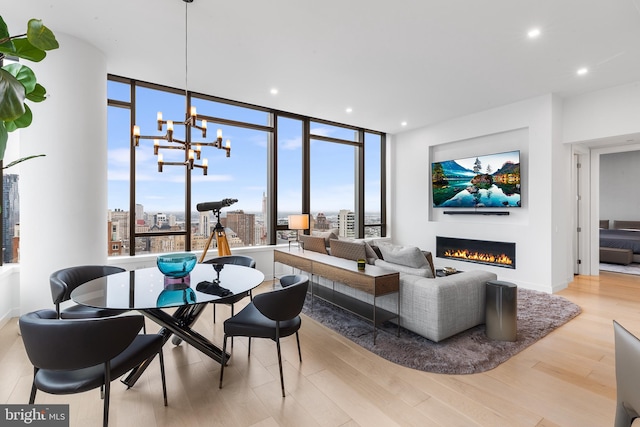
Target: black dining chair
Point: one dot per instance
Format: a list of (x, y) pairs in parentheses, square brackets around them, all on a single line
[(273, 315), (76, 355), (63, 282), (627, 356), (245, 261)]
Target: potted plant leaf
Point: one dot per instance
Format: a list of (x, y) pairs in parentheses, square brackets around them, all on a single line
[(18, 82)]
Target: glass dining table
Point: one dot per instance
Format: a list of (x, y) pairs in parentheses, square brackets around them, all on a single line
[(151, 293)]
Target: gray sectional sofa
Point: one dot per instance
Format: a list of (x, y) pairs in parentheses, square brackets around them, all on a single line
[(434, 307)]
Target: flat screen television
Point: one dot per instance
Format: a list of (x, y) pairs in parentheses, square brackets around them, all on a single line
[(488, 181)]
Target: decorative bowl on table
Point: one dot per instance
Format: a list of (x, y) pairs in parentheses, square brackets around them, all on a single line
[(449, 270), (176, 265)]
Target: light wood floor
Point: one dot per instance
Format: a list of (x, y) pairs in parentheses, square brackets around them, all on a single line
[(566, 379)]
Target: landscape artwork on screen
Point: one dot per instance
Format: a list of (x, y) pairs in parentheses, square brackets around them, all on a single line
[(490, 181)]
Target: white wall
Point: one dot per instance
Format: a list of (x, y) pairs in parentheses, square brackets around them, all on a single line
[(64, 195), (619, 181), (539, 228), (602, 114)]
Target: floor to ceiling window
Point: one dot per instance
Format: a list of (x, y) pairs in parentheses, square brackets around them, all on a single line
[(290, 132), (280, 164)]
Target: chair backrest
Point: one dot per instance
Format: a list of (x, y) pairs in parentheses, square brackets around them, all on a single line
[(60, 344), (63, 282), (627, 354), (243, 260), (286, 303)]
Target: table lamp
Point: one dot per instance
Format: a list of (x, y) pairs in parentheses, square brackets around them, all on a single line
[(298, 222)]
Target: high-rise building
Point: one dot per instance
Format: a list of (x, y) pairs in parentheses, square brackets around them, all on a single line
[(243, 225), (261, 232), (10, 216), (118, 231), (204, 226), (346, 223), (159, 219)]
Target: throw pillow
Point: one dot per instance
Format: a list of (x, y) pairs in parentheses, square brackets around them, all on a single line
[(348, 249), (372, 255), (411, 256), (326, 235), (312, 243)]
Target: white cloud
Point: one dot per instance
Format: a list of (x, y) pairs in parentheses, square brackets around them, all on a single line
[(291, 144)]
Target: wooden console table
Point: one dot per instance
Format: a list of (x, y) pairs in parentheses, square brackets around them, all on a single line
[(373, 280)]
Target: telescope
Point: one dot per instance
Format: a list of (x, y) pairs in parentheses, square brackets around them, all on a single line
[(215, 206)]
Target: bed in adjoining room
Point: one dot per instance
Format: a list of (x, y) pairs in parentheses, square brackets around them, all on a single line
[(621, 243)]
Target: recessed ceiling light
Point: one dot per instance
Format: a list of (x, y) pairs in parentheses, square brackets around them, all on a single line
[(533, 33), (349, 109), (582, 71), (274, 91), (403, 123)]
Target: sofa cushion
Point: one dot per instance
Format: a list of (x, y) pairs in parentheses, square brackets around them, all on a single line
[(422, 272), (312, 243), (348, 249), (411, 256), (326, 235), (371, 257)]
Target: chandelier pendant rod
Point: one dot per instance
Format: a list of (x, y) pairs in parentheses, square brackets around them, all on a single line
[(192, 151)]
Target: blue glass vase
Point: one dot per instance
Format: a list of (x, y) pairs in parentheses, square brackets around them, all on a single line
[(176, 265)]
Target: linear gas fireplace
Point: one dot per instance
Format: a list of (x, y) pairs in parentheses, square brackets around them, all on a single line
[(499, 254)]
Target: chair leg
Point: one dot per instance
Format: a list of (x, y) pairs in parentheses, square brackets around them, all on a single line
[(107, 392), (232, 313), (249, 349), (214, 313), (223, 361), (32, 397), (279, 356), (280, 363), (298, 340), (164, 382)]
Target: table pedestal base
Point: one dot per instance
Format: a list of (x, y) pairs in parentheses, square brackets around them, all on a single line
[(178, 324)]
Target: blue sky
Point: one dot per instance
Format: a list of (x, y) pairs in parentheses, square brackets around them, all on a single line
[(242, 176)]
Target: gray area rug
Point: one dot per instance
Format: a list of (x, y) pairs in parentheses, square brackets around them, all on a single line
[(633, 268), (469, 352)]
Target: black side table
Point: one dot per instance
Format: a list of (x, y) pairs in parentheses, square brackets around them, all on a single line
[(501, 310)]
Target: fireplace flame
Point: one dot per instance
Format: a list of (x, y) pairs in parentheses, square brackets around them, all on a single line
[(467, 255)]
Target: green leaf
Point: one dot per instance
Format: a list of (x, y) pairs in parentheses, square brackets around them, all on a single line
[(23, 74), (4, 30), (13, 94), (26, 50), (23, 159), (21, 122), (7, 46), (40, 36), (4, 137), (38, 94)]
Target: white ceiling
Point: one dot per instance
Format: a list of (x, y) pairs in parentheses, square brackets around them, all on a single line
[(419, 61)]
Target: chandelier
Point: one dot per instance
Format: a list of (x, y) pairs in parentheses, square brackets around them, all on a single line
[(192, 150)]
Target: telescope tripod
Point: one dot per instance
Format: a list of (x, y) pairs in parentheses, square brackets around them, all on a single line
[(221, 240)]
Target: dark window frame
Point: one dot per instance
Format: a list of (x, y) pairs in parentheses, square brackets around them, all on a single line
[(272, 158)]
